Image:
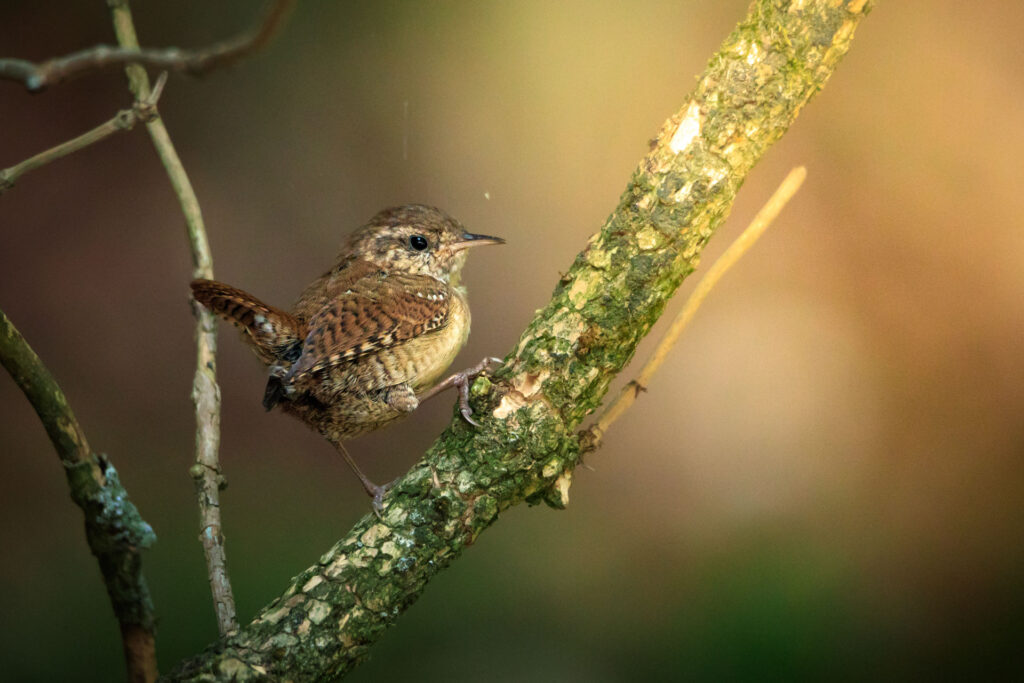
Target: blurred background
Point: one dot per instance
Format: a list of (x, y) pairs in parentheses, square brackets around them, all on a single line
[(826, 478)]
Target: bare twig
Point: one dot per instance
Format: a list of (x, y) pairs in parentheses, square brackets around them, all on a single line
[(591, 438), (197, 62), (115, 530), (142, 110), (205, 392)]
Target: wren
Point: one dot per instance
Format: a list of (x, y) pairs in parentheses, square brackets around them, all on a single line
[(368, 340)]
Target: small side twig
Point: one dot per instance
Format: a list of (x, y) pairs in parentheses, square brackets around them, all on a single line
[(591, 438), (37, 76), (205, 392), (142, 111), (115, 530)]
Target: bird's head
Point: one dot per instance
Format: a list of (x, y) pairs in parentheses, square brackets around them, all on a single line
[(416, 239)]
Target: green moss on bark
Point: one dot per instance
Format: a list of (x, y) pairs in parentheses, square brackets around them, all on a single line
[(114, 528)]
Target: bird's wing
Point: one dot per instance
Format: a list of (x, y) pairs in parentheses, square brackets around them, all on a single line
[(376, 312)]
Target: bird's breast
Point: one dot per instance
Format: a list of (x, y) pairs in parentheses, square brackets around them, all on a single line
[(433, 353)]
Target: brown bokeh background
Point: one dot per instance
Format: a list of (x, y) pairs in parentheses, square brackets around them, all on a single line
[(825, 479)]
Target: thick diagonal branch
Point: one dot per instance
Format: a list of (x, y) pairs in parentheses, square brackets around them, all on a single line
[(115, 530), (196, 62), (682, 190)]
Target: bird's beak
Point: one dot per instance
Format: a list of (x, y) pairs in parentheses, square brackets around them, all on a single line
[(470, 240)]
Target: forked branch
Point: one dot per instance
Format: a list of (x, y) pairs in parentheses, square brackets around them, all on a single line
[(591, 438), (38, 76), (143, 110)]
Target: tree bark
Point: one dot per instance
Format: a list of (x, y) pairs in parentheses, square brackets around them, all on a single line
[(779, 56)]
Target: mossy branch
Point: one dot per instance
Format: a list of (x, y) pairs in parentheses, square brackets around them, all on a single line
[(115, 530), (753, 88)]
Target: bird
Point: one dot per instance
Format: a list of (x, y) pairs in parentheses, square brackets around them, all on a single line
[(370, 339)]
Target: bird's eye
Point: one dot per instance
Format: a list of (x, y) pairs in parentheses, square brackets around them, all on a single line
[(418, 242)]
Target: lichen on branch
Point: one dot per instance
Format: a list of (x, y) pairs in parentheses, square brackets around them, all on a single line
[(114, 528), (558, 373)]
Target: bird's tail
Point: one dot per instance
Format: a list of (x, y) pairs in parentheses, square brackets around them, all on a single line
[(274, 335)]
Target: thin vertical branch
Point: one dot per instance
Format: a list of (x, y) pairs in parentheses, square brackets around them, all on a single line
[(113, 527), (205, 392)]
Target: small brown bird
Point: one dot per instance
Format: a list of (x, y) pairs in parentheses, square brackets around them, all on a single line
[(368, 340)]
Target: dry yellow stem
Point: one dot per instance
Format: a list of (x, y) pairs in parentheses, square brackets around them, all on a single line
[(736, 250)]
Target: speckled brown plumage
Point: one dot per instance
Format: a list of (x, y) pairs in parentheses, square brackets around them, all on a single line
[(370, 337)]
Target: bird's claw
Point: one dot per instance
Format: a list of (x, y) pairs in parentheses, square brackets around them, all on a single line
[(377, 493), (465, 378), (467, 414)]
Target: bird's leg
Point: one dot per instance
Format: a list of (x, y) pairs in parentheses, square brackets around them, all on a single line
[(375, 491), (462, 381)]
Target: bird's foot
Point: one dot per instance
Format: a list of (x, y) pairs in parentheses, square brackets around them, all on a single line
[(377, 492), (464, 379)]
